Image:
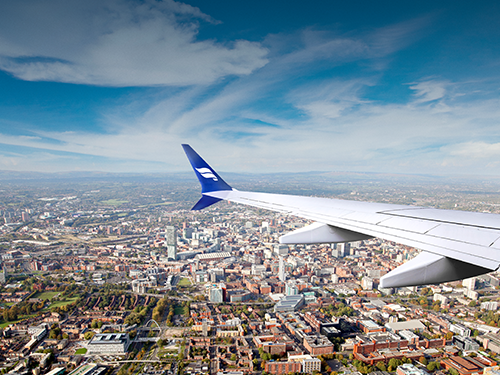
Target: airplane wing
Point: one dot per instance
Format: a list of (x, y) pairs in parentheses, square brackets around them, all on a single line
[(455, 244)]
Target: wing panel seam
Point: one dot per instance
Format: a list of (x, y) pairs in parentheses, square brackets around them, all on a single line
[(441, 221)]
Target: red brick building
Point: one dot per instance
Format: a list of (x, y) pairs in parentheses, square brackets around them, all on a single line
[(467, 365), (282, 367), (316, 345)]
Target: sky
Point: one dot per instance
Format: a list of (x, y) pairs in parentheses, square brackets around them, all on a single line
[(253, 86)]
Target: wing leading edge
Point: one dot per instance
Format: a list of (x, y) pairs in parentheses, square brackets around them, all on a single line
[(455, 244)]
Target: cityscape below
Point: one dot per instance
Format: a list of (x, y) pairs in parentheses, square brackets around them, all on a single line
[(115, 274)]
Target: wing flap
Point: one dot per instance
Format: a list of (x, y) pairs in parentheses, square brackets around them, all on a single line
[(414, 225), (473, 235)]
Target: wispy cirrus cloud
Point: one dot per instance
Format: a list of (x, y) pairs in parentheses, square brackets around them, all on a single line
[(475, 150), (360, 135), (117, 43), (429, 90)]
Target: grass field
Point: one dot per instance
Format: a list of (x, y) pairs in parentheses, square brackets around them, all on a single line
[(156, 204), (113, 202), (178, 310), (164, 354), (5, 324), (46, 295), (23, 317), (184, 282), (67, 301), (81, 351)]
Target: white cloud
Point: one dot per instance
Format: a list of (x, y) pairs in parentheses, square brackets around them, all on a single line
[(475, 150), (329, 100), (117, 43), (428, 91)]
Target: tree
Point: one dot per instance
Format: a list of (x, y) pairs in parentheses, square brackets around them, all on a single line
[(255, 363), (381, 366), (394, 363)]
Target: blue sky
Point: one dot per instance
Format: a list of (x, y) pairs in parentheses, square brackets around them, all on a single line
[(254, 86)]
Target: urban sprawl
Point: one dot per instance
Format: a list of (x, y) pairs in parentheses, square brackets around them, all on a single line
[(125, 279)]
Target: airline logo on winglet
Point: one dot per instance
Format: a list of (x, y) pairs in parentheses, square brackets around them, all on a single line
[(207, 173)]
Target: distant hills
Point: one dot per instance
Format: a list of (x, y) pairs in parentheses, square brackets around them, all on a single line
[(316, 176), (36, 176)]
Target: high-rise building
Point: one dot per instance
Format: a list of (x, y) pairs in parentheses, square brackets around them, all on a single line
[(338, 250), (291, 288), (367, 283), (171, 240), (216, 295), (204, 328), (281, 272), (281, 249), (470, 283), (187, 233), (348, 250), (216, 275)]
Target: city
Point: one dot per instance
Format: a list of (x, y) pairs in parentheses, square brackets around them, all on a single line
[(119, 276)]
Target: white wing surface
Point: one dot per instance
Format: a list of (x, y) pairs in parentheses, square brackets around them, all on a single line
[(455, 244)]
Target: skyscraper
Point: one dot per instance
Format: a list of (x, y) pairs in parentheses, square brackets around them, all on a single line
[(470, 283), (281, 249), (216, 294), (281, 272), (291, 288), (171, 239), (3, 276)]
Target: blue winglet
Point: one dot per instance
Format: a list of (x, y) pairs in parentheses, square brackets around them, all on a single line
[(209, 179), (204, 202)]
